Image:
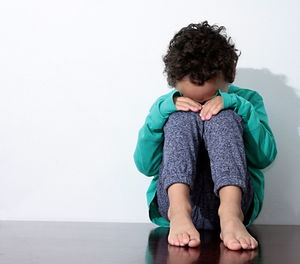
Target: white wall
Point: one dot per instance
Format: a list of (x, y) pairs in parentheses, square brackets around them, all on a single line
[(77, 79)]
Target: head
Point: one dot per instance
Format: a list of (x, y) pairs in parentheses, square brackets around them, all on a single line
[(200, 60), (202, 93)]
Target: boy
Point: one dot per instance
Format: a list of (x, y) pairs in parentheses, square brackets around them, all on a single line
[(205, 143)]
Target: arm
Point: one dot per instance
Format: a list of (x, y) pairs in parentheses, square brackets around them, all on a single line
[(260, 144), (149, 148)]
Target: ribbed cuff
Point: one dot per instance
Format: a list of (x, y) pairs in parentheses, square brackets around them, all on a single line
[(228, 99), (168, 106)]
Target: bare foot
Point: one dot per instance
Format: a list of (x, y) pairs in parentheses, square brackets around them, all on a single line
[(182, 230), (235, 235)]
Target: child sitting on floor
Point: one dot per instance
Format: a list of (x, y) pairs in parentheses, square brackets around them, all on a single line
[(205, 143)]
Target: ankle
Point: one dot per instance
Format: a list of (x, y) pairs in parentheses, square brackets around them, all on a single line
[(226, 212), (179, 209)]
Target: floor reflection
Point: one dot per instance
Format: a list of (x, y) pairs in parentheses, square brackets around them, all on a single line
[(211, 250)]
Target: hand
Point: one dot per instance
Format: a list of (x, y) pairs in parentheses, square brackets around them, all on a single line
[(186, 104), (211, 107)]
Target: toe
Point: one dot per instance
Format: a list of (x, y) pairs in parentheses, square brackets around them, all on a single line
[(233, 244), (177, 240), (244, 243), (253, 243), (194, 240), (171, 240), (185, 238), (180, 239), (249, 242)]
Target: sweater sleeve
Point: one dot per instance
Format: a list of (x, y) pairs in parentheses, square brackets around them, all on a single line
[(260, 144), (148, 152)]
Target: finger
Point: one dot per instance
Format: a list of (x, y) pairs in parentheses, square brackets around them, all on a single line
[(182, 107), (215, 110), (205, 109), (193, 106), (190, 101), (207, 113), (211, 113), (193, 102), (187, 105)]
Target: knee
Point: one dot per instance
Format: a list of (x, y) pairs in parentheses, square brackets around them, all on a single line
[(181, 118), (226, 117), (183, 114)]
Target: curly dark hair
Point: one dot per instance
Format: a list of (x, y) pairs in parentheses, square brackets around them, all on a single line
[(201, 52)]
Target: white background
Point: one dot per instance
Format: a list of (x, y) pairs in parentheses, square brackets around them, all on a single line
[(77, 79)]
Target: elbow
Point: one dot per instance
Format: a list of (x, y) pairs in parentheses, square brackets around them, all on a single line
[(147, 173), (140, 167), (142, 170), (269, 159), (273, 153), (138, 162)]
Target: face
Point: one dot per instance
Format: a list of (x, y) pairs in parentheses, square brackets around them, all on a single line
[(201, 93)]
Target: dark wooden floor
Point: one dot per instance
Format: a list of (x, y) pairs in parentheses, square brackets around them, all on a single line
[(24, 242)]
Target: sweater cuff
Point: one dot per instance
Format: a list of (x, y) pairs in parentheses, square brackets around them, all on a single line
[(168, 106), (228, 99)]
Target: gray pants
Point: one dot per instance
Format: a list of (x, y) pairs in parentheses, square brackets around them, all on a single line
[(205, 155)]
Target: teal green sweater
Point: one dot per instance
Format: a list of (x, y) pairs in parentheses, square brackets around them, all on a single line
[(260, 145)]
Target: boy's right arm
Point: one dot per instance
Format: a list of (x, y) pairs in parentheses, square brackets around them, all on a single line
[(149, 149)]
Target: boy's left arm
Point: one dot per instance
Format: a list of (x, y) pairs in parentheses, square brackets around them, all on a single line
[(260, 144), (149, 148)]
